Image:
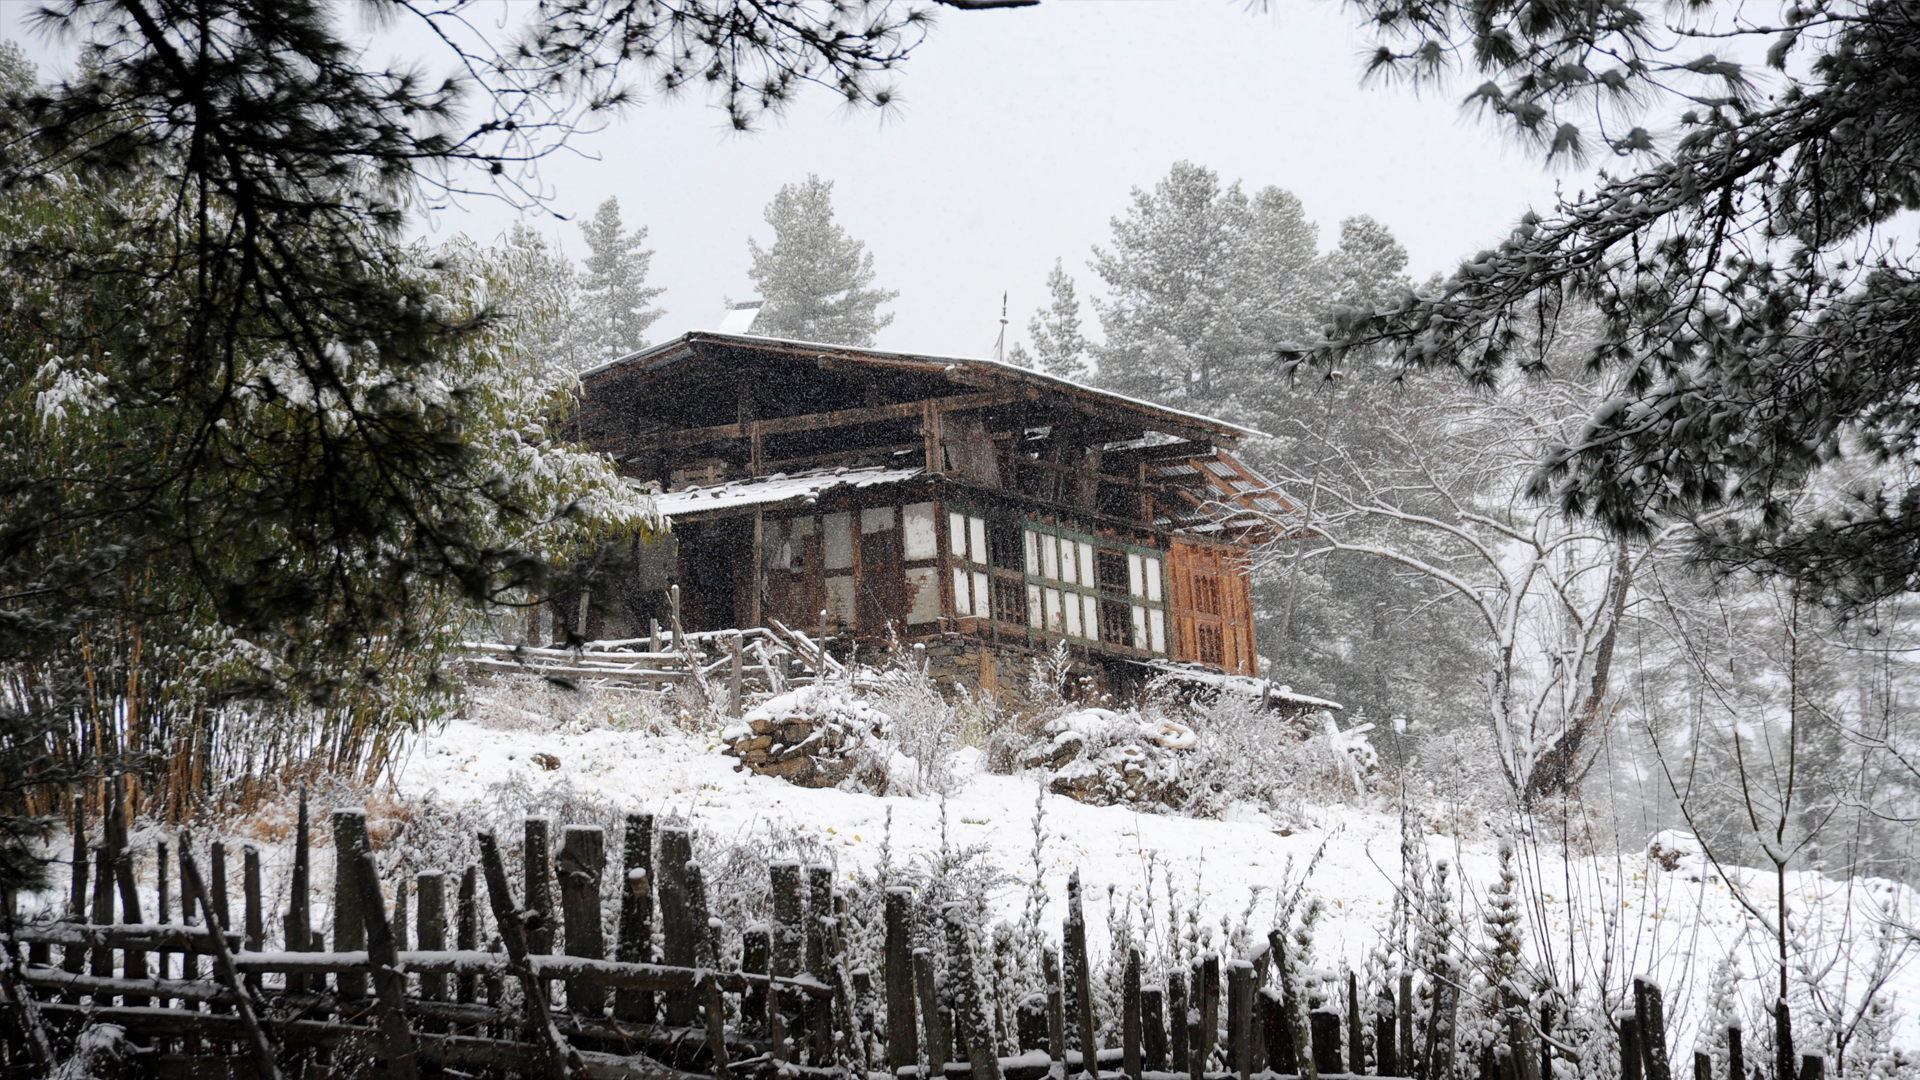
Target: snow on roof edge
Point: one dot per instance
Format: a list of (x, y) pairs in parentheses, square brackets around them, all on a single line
[(687, 339)]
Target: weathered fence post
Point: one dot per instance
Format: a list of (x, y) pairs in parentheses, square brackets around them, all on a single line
[(430, 886), (1386, 1050), (1702, 1065), (1279, 1031), (299, 924), (1130, 1020), (933, 1022), (579, 863), (680, 935), (1736, 1054), (1813, 1066), (1240, 1016), (819, 937), (706, 930), (635, 942), (1079, 971), (756, 949), (1324, 1024), (789, 931), (735, 674), (349, 922), (1056, 1006), (1153, 1024), (536, 865), (389, 982), (467, 932), (1177, 1009), (253, 914), (100, 963), (1652, 1017), (1630, 1059), (896, 975)]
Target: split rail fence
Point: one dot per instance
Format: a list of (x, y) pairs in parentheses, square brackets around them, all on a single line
[(427, 987)]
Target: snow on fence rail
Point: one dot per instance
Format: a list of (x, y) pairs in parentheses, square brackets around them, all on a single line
[(387, 1000)]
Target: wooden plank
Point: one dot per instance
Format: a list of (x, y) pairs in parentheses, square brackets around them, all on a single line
[(467, 930), (1153, 1028), (1177, 1008), (787, 425)]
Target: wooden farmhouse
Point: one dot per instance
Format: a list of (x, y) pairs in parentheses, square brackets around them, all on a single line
[(923, 498)]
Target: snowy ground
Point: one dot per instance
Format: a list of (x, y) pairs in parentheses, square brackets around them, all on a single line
[(1618, 913)]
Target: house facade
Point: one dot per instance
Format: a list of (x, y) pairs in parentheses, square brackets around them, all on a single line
[(886, 496)]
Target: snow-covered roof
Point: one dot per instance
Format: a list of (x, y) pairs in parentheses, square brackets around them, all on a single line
[(1241, 684), (952, 363), (778, 488)]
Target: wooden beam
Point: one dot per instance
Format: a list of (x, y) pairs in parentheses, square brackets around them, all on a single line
[(783, 425)]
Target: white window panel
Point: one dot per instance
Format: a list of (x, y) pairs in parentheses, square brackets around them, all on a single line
[(1088, 568), (1055, 617), (1072, 612), (1050, 556), (876, 519), (1033, 551), (1033, 605), (1153, 579), (923, 582), (982, 599), (1067, 572), (836, 538), (1136, 577), (977, 533), (1157, 624), (1091, 620), (921, 541), (1140, 638), (840, 599), (957, 535), (962, 595)]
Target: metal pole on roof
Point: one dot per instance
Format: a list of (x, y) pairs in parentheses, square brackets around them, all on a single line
[(1000, 346)]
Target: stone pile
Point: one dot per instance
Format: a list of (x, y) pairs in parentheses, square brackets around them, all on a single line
[(816, 736), (1103, 757)]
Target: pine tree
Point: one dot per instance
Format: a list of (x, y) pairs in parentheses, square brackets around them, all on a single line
[(1203, 285), (1368, 268), (614, 294), (542, 298), (817, 282), (1055, 329)]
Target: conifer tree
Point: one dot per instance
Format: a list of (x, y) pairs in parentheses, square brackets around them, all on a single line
[(614, 294), (1055, 329), (816, 281), (543, 300)]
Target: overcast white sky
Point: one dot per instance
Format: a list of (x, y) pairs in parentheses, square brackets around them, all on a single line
[(1019, 136)]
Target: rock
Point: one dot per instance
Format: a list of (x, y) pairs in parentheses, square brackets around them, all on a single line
[(816, 736), (546, 761)]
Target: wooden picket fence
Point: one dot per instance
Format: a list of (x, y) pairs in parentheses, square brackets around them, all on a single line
[(412, 990)]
